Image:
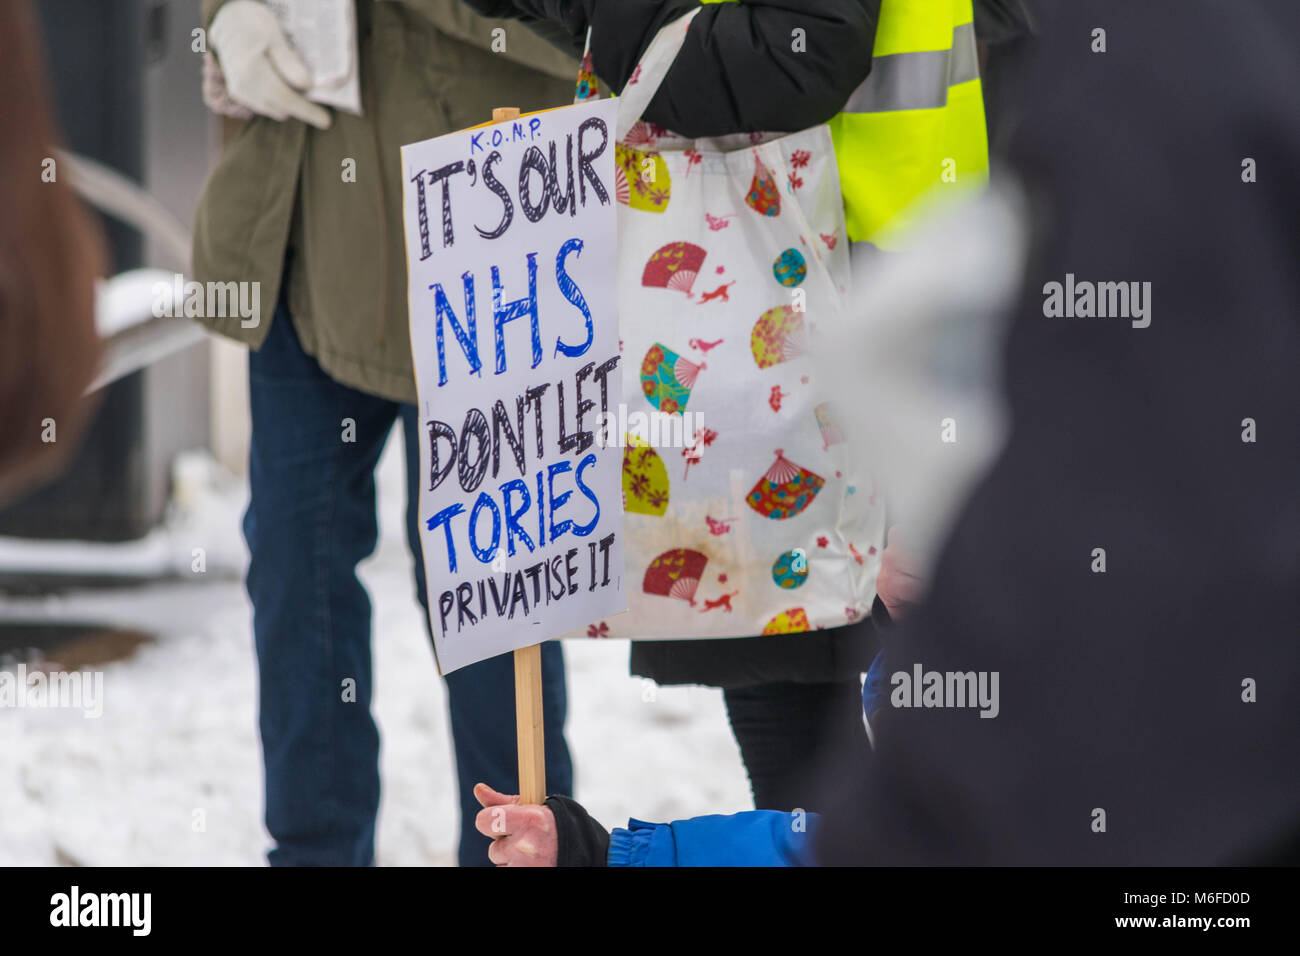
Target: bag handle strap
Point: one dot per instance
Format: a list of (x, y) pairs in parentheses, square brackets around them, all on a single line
[(646, 78), (650, 73)]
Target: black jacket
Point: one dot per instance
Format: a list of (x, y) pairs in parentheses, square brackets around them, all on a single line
[(1126, 693), (741, 69), (813, 657)]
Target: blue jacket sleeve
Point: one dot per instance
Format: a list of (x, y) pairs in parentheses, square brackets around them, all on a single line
[(754, 838)]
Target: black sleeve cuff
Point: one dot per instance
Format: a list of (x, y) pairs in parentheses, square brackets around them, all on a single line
[(580, 840)]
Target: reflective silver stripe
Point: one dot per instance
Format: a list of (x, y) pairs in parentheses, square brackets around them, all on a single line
[(965, 64), (917, 81)]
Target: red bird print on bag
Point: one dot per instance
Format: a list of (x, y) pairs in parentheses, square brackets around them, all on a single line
[(704, 346), (719, 293), (718, 526), (723, 602)]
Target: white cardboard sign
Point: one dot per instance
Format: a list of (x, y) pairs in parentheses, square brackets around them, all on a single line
[(510, 242)]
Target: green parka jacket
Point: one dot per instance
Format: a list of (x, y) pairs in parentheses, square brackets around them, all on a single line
[(286, 190)]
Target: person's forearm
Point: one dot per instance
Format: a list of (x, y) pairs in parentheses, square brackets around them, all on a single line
[(568, 16), (775, 65), (769, 65)]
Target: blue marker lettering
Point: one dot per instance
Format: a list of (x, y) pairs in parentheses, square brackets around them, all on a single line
[(509, 311), (443, 518), (467, 337), (513, 527), (484, 555), (569, 289), (585, 529), (557, 501)]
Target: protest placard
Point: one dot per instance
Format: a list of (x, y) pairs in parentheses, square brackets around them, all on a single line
[(510, 239)]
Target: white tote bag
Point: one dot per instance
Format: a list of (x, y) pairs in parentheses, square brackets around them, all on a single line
[(750, 516)]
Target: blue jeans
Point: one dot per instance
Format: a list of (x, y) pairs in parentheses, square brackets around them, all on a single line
[(310, 521)]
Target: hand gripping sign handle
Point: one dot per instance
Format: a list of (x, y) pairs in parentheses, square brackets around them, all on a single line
[(529, 729)]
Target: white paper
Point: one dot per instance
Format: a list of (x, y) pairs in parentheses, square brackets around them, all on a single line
[(498, 341), (324, 33)]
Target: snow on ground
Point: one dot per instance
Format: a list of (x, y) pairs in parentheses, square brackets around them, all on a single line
[(177, 743)]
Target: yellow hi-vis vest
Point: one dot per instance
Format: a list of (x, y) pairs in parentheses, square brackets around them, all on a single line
[(915, 122)]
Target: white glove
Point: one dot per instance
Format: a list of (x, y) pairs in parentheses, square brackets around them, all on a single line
[(262, 70)]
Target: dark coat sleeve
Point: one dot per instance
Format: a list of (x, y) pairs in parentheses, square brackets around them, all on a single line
[(1125, 692), (1003, 21), (766, 65)]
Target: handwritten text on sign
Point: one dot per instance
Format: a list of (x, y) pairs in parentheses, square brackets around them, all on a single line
[(510, 237)]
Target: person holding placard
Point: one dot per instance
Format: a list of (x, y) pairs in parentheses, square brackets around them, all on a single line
[(771, 66)]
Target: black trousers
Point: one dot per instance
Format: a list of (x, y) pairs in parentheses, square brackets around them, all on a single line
[(785, 732)]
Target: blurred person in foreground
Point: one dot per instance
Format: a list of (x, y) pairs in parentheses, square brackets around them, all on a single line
[(1148, 710), (1150, 695), (50, 255)]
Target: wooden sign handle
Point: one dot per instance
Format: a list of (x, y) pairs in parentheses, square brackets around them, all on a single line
[(528, 724), (529, 728)]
